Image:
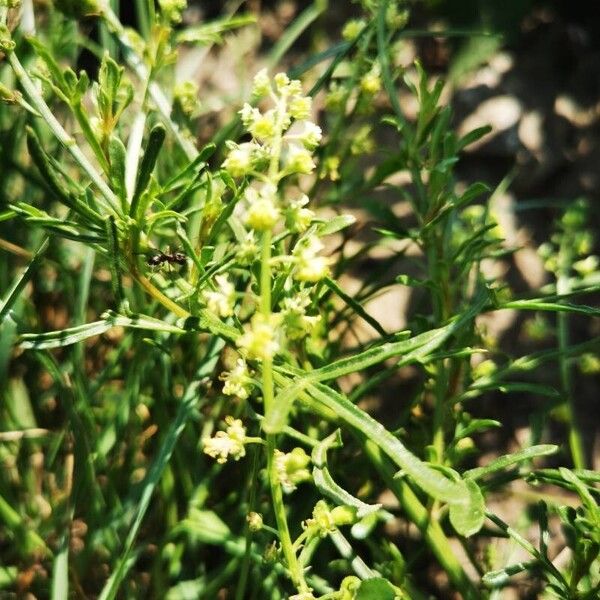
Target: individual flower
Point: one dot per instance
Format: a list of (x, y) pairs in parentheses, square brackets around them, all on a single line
[(310, 266), (260, 125), (222, 300), (332, 166), (241, 157), (237, 382), (325, 520), (227, 443), (352, 29), (296, 322), (586, 266), (292, 468), (311, 136), (322, 522), (261, 85), (300, 107), (260, 338), (370, 83), (255, 521), (299, 160), (362, 141), (297, 217), (185, 93), (263, 212), (248, 114), (282, 81), (247, 249), (172, 9)]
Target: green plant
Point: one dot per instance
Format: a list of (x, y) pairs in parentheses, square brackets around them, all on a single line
[(210, 414)]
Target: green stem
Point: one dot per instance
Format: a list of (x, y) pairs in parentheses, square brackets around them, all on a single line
[(563, 287), (268, 397)]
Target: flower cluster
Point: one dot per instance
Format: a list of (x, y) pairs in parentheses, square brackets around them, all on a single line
[(283, 142), (228, 443)]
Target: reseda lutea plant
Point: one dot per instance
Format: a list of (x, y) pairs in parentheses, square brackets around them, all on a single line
[(120, 204), (210, 414)]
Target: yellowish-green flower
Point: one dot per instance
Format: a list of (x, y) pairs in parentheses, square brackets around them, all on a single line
[(297, 217), (261, 85), (292, 468), (255, 521), (222, 300), (228, 443), (296, 322), (299, 160), (263, 212), (260, 340), (172, 9), (310, 265), (240, 159), (247, 249), (300, 107), (311, 136), (371, 82), (185, 93), (352, 29), (237, 382)]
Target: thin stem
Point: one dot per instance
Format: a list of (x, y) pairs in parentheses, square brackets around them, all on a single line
[(563, 287), (245, 567), (59, 132), (157, 294)]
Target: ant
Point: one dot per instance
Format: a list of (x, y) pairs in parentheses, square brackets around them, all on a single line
[(169, 258)]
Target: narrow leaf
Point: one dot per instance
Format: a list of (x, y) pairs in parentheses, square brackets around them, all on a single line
[(155, 142), (511, 459), (328, 486)]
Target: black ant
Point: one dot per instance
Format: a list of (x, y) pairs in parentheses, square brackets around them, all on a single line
[(169, 258)]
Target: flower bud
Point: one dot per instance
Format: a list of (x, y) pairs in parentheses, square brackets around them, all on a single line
[(255, 521)]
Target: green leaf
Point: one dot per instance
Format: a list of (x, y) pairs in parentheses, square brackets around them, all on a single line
[(60, 571), (376, 589), (511, 459), (155, 142), (203, 526), (110, 319), (412, 350), (430, 480), (191, 170), (63, 337), (500, 577), (336, 224), (544, 305), (20, 281), (53, 179), (117, 154), (211, 33), (467, 518), (474, 426), (356, 306), (328, 486)]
